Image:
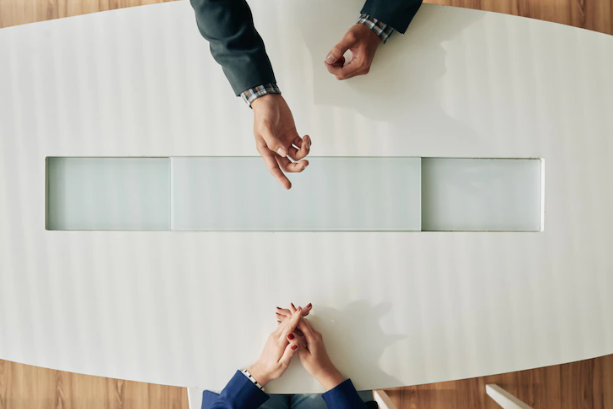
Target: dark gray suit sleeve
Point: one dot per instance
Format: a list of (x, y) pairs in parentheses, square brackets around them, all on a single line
[(395, 13), (235, 43)]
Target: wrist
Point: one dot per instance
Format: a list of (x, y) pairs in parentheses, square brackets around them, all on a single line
[(331, 379), (369, 33), (263, 100), (258, 374)]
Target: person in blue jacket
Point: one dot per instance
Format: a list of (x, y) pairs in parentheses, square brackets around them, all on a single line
[(294, 335)]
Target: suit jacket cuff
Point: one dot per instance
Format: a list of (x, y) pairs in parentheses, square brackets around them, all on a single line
[(344, 396), (380, 28), (254, 93), (396, 13), (239, 393)]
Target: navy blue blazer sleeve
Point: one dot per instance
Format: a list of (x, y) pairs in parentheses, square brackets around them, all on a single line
[(239, 393), (344, 396), (395, 13), (235, 44)]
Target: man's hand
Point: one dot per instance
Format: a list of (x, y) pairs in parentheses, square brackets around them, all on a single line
[(362, 42), (276, 137)]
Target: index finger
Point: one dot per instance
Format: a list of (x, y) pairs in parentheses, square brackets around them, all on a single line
[(304, 146), (306, 329), (273, 166), (291, 324), (346, 71)]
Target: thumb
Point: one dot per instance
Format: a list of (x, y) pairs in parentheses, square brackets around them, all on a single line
[(341, 48), (290, 351), (272, 142)]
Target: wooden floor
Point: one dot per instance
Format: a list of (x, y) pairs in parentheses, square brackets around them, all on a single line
[(30, 387), (580, 385), (594, 15)]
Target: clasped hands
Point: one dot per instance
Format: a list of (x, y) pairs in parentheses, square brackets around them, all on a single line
[(276, 137), (295, 335)]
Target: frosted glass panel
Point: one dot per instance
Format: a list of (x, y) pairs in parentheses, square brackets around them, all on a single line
[(108, 193), (481, 194), (332, 194)]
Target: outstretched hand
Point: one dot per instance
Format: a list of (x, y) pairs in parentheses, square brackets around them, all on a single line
[(277, 139)]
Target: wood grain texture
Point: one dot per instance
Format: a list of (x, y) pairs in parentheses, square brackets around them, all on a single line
[(15, 12), (594, 15), (30, 387), (578, 385)]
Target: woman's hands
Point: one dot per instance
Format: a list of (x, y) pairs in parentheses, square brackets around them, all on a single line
[(278, 351), (312, 353)]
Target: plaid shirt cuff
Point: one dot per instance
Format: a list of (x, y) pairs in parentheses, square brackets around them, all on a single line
[(254, 93), (381, 29)]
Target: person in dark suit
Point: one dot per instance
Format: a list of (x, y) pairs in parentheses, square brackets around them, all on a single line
[(238, 48), (294, 335)]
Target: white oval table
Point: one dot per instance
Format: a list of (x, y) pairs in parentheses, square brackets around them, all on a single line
[(396, 309)]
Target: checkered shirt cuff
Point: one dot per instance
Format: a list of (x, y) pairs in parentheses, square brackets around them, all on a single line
[(254, 93), (252, 379), (381, 29)]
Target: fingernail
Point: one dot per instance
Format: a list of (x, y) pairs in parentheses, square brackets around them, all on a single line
[(294, 347), (278, 308), (309, 305), (330, 59), (290, 336), (299, 308), (281, 152), (293, 306)]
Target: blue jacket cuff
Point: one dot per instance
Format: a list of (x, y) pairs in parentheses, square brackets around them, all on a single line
[(344, 396), (239, 393)]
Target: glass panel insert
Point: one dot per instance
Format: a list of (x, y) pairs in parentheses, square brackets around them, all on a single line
[(481, 194), (332, 194), (108, 193)]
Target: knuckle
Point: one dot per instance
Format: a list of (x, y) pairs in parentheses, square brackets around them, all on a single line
[(266, 123), (351, 36), (337, 50)]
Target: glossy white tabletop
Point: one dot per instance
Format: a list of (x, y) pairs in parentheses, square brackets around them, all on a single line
[(188, 308)]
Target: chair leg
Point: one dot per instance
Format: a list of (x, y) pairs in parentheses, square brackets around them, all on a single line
[(194, 396), (383, 400), (504, 398)]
